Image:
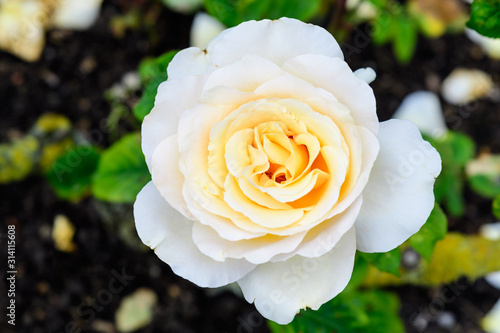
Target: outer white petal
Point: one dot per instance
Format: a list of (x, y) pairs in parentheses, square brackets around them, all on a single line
[(399, 195), (335, 76), (76, 14), (423, 108), (256, 250), (169, 233), (277, 40), (281, 289), (204, 29), (190, 61), (172, 99), (167, 177)]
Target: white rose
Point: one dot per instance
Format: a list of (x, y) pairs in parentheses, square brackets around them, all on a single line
[(270, 168)]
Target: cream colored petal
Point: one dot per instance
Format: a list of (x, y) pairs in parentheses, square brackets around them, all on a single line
[(289, 86), (323, 237), (245, 74), (277, 40), (212, 213), (334, 75), (170, 235), (260, 197), (269, 218), (370, 152), (236, 151), (280, 290), (258, 250)]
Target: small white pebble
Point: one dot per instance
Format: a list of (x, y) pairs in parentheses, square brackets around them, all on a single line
[(490, 231), (204, 29), (446, 319), (131, 81), (423, 108), (463, 86)]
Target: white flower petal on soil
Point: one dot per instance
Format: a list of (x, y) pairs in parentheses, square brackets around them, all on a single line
[(463, 86), (76, 14), (22, 28), (204, 29), (423, 108), (136, 310)]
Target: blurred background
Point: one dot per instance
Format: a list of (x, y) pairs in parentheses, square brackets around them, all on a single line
[(76, 80)]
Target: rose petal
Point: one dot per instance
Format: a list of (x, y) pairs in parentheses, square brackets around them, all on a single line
[(322, 238), (399, 196), (167, 177), (277, 40), (173, 98), (245, 74), (256, 250), (169, 233), (334, 75), (187, 62), (280, 290)]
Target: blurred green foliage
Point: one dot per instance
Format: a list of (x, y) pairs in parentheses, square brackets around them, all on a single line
[(153, 71), (456, 149), (432, 231), (496, 207), (234, 12), (386, 262), (37, 150), (122, 171), (71, 174), (485, 17), (354, 311)]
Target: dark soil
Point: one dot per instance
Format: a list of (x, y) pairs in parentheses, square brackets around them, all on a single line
[(57, 292)]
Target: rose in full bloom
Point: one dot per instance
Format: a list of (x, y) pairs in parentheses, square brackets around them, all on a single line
[(270, 168)]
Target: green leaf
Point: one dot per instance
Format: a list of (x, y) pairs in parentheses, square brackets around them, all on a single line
[(122, 171), (431, 232), (485, 17), (384, 28), (406, 38), (372, 311), (70, 175), (486, 185), (234, 12), (496, 207), (386, 262), (456, 149), (153, 71)]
